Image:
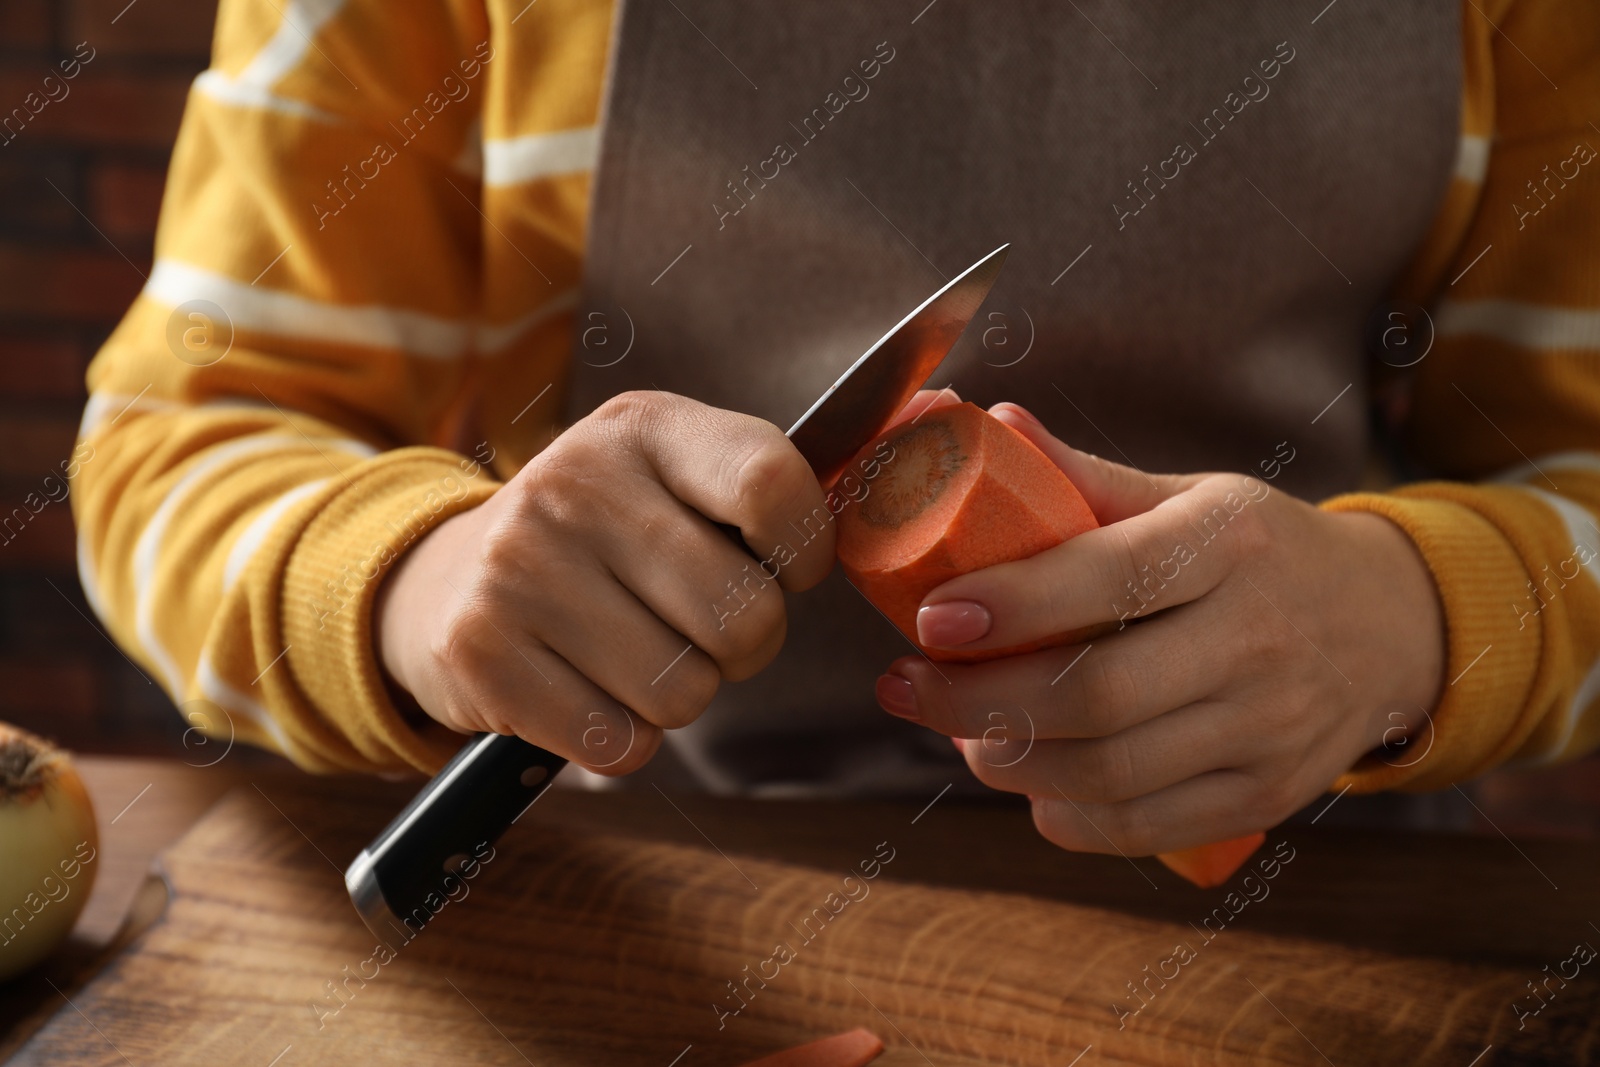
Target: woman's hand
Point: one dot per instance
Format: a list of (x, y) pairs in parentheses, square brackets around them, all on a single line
[(1257, 648), (591, 602)]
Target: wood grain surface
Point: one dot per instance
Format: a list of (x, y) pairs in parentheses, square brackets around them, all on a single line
[(608, 926)]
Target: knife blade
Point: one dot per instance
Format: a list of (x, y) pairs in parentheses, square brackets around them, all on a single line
[(447, 832), (857, 407)]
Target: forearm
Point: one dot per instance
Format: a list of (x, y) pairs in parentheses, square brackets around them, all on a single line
[(234, 554)]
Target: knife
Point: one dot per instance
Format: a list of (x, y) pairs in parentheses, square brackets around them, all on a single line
[(447, 832)]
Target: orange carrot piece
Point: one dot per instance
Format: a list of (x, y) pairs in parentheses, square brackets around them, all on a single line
[(961, 491), (854, 1049), (1208, 866)]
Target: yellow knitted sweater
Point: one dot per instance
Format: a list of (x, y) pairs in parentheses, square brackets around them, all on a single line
[(360, 314)]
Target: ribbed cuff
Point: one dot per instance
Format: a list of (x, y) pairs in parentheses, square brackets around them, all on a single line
[(1491, 663), (331, 582)]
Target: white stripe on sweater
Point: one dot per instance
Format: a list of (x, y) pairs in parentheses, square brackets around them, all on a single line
[(512, 160), (284, 314), (244, 548), (287, 315), (217, 690), (1581, 534), (493, 339), (1583, 462), (285, 51), (1472, 158), (1520, 323), (147, 550)]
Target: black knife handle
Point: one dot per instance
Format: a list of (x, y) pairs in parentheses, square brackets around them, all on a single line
[(417, 864)]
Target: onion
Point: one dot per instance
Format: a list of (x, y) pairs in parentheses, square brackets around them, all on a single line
[(47, 849)]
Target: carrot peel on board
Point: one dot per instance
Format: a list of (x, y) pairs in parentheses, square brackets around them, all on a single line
[(955, 490), (854, 1049)]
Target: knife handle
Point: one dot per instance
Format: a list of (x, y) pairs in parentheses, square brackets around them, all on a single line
[(402, 879)]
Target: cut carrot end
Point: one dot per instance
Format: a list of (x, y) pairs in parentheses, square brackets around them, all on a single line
[(853, 1049), (955, 490), (1208, 866)]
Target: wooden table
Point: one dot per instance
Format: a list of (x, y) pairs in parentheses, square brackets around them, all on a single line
[(627, 928)]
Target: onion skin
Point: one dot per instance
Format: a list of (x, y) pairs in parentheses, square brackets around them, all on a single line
[(48, 848)]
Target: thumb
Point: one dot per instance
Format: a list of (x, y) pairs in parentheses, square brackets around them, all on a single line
[(1113, 492)]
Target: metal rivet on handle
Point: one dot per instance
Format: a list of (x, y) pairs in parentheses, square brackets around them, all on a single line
[(533, 776)]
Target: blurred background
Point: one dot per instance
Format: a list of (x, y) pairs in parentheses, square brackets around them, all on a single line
[(80, 185), (80, 190)]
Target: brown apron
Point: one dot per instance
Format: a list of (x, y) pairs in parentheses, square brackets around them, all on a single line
[(1205, 202)]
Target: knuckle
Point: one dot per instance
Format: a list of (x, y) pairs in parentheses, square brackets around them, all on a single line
[(646, 743), (1105, 771), (1269, 640), (491, 718), (1252, 534), (478, 707), (1272, 794), (1206, 512), (1005, 736), (503, 554), (770, 478), (942, 707), (1132, 830), (1060, 600), (955, 700), (616, 742), (1059, 824), (633, 408), (460, 645), (471, 662), (750, 638), (1283, 719), (677, 698), (459, 705), (564, 487), (1119, 567), (1110, 689), (632, 423)]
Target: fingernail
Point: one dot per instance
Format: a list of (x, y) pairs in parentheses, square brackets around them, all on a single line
[(1026, 414), (896, 696), (955, 622), (960, 743)]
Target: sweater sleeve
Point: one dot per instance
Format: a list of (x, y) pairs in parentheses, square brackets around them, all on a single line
[(1506, 405), (286, 406)]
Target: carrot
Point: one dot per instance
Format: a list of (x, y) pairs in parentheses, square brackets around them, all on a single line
[(953, 490), (854, 1049), (1208, 866)]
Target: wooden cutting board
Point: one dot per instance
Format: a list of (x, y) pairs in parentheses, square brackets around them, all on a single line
[(625, 928)]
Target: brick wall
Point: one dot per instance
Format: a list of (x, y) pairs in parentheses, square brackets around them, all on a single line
[(80, 183)]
